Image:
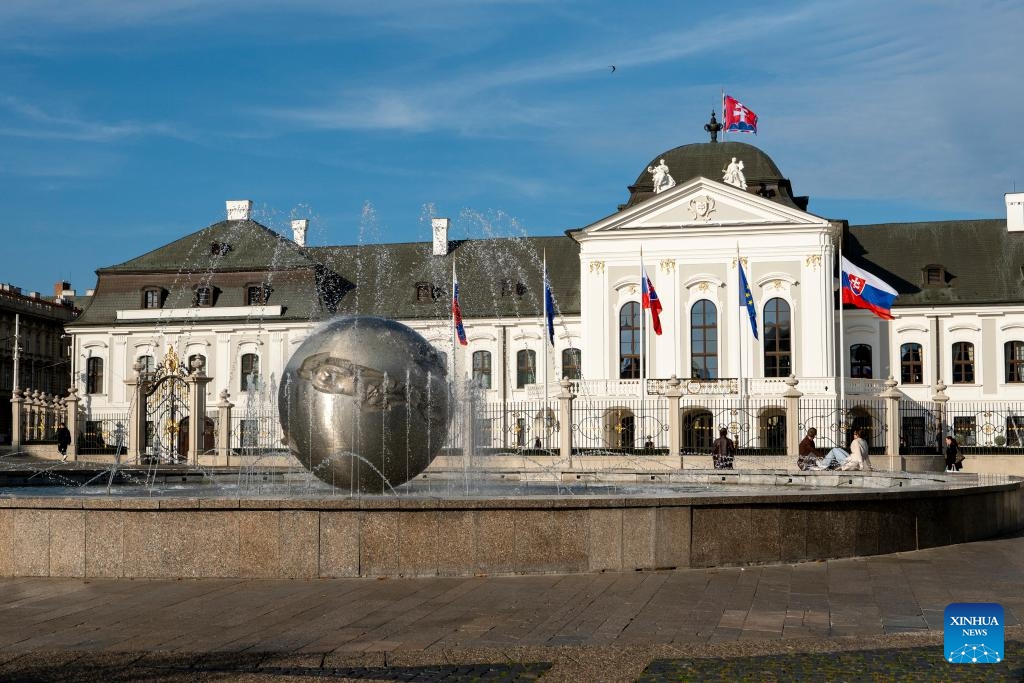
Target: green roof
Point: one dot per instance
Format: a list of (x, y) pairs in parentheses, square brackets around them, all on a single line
[(981, 260), (497, 277)]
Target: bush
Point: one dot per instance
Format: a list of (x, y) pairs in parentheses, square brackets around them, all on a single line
[(1000, 440)]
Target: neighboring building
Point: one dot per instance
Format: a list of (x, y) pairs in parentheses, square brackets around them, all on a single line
[(241, 297), (43, 362)]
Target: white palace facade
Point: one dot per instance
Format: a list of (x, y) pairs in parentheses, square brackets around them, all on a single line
[(241, 298)]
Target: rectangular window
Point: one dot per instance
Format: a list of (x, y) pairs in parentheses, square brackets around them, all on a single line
[(1015, 431), (94, 376), (911, 364), (912, 431), (526, 368), (482, 369), (965, 431), (571, 361), (963, 363)]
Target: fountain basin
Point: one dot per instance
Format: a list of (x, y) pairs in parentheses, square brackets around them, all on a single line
[(774, 517)]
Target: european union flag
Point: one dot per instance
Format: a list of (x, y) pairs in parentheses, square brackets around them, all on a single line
[(746, 298), (549, 306)]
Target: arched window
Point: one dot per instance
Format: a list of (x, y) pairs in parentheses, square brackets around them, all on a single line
[(963, 363), (778, 331), (629, 341), (911, 364), (94, 376), (526, 368), (704, 340), (860, 361), (202, 360), (1014, 361), (250, 377), (482, 369), (571, 361)]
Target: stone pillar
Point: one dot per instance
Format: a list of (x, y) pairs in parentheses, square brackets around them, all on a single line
[(32, 408), (137, 417), (892, 425), (224, 407), (71, 419), (197, 382), (792, 396), (940, 399), (17, 404), (565, 399), (673, 394)]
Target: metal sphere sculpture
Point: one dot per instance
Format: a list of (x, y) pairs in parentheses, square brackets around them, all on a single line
[(364, 403)]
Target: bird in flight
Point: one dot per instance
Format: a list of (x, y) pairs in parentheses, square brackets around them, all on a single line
[(612, 67)]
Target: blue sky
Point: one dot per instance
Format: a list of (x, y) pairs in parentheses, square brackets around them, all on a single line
[(125, 125)]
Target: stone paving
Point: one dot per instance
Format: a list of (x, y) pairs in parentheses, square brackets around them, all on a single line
[(875, 618)]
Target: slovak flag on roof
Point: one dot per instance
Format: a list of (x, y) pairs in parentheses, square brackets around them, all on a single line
[(864, 290), (738, 119), (649, 299)]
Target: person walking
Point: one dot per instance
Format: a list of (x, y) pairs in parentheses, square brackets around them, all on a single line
[(954, 458), (63, 441)]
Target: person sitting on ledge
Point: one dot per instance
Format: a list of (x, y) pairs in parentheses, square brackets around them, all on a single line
[(808, 453), (837, 458)]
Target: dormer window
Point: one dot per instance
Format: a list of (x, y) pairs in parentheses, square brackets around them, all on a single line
[(219, 248), (510, 288), (152, 297), (204, 296), (424, 292), (934, 275), (256, 295)]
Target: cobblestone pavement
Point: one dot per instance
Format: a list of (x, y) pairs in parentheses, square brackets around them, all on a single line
[(877, 618)]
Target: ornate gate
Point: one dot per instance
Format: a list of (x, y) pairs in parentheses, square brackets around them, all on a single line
[(167, 409)]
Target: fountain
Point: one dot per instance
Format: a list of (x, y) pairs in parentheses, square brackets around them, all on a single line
[(365, 405)]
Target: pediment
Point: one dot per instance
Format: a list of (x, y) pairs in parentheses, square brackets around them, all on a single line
[(702, 202)]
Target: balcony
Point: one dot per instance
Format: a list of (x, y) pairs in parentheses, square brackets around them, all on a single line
[(725, 386)]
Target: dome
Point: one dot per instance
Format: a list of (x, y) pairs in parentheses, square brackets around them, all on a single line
[(709, 159)]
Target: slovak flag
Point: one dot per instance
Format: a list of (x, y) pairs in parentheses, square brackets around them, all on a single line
[(738, 119), (460, 330), (649, 299), (864, 290)]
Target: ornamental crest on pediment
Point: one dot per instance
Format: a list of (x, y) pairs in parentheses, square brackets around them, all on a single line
[(701, 207)]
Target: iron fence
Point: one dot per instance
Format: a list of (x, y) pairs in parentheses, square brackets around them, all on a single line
[(623, 425), (103, 434), (835, 421)]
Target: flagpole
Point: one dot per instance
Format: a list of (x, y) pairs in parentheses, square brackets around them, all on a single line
[(547, 339), (739, 319), (643, 325), (454, 331), (724, 127), (842, 336)]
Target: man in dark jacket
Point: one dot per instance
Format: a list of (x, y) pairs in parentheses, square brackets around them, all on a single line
[(808, 452), (63, 441)]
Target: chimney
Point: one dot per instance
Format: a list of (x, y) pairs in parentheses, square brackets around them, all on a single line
[(1014, 211), (239, 209), (299, 231), (60, 287), (440, 226)]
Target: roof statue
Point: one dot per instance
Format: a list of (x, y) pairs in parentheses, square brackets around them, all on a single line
[(734, 174), (713, 126), (660, 175)]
